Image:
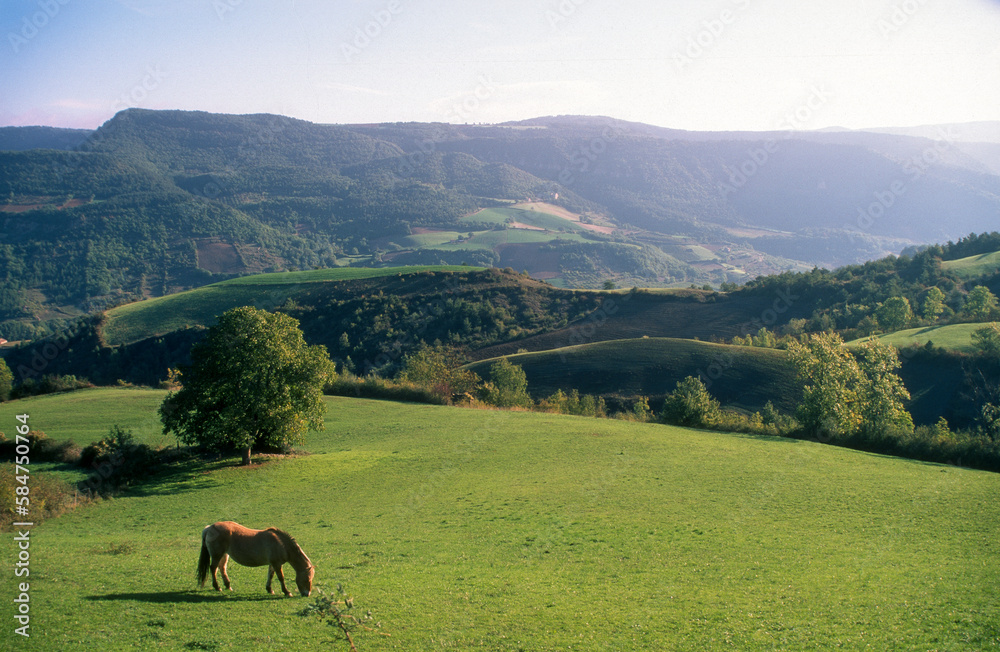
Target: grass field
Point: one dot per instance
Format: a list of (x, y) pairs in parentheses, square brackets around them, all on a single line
[(528, 216), (199, 307), (469, 529), (492, 239), (974, 266), (955, 337), (739, 376)]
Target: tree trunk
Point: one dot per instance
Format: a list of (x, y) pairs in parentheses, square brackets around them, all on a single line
[(246, 456)]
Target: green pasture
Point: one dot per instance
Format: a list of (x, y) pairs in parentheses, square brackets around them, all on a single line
[(739, 376), (690, 253), (491, 239), (475, 529), (136, 321), (955, 337), (85, 416), (537, 218), (974, 266), (422, 240)]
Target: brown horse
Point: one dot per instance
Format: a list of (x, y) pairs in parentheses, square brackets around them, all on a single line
[(271, 547)]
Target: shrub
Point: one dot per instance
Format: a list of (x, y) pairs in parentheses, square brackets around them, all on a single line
[(43, 449), (117, 461), (507, 387), (690, 404), (49, 384), (50, 496)]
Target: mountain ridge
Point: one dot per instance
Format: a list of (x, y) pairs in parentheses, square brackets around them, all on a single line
[(157, 201)]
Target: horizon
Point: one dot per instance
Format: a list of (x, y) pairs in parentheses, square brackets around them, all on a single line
[(735, 66), (539, 117)]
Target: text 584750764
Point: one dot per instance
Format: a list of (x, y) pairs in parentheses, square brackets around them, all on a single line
[(22, 501)]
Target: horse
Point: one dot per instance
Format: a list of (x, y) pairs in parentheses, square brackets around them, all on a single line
[(247, 547)]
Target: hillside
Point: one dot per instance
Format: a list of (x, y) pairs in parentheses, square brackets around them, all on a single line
[(472, 529), (738, 376), (370, 319), (196, 308), (155, 202), (686, 314), (972, 267), (367, 319), (953, 337)]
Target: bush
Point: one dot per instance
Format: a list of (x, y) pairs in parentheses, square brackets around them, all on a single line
[(49, 384), (348, 384), (690, 404), (507, 387), (50, 496), (573, 403), (117, 462), (6, 380), (42, 448)]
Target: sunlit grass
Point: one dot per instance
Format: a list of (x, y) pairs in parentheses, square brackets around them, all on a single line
[(479, 529)]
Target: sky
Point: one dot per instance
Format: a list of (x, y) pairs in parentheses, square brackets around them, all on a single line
[(699, 65)]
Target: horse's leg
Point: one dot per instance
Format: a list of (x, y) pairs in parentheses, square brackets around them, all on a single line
[(214, 568), (270, 575), (281, 578), (225, 576)]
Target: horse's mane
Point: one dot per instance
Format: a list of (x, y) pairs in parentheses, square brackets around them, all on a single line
[(291, 545)]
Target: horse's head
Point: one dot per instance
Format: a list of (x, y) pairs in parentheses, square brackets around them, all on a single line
[(304, 580)]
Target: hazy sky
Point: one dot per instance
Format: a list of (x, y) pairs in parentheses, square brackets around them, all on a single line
[(714, 65)]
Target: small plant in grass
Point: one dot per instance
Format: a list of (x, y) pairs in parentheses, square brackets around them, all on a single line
[(336, 609)]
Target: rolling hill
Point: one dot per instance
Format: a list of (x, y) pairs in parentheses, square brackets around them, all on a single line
[(738, 376), (972, 267), (617, 343), (154, 202), (467, 529), (196, 308), (953, 337)]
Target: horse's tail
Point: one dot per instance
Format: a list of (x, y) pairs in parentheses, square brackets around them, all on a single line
[(204, 560)]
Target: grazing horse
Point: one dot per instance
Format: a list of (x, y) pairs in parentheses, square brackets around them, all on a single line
[(271, 547)]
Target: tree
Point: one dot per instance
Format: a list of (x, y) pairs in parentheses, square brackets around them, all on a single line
[(690, 404), (933, 304), (6, 380), (253, 381), (882, 395), (986, 340), (981, 304), (845, 395), (831, 374), (508, 385), (894, 314), (438, 369)]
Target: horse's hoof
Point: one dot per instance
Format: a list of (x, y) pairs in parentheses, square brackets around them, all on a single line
[(287, 594)]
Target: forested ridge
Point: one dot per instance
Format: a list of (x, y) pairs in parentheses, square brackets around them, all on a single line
[(154, 202)]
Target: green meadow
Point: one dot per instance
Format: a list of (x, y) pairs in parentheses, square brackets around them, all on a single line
[(955, 337), (478, 529), (530, 217), (199, 307), (974, 266)]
